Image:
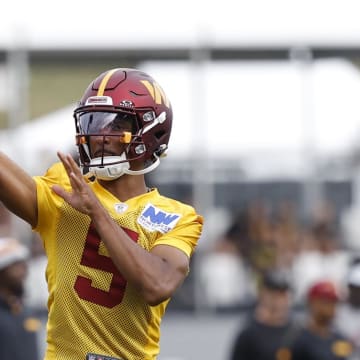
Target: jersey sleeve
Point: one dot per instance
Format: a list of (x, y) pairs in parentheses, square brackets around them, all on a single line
[(47, 201), (185, 234)]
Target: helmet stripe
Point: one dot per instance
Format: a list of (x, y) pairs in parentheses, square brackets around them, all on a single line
[(104, 82), (156, 92)]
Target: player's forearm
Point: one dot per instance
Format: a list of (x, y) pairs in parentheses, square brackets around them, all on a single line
[(151, 275), (17, 190)]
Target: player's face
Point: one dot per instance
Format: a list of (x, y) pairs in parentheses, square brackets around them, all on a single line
[(106, 133)]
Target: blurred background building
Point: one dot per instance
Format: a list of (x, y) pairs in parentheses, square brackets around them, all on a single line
[(265, 141)]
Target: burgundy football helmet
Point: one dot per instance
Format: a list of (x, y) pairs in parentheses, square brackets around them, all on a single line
[(116, 96)]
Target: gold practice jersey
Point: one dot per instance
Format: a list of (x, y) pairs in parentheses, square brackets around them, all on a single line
[(92, 308)]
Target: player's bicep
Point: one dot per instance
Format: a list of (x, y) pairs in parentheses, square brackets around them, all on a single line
[(176, 263), (18, 191)]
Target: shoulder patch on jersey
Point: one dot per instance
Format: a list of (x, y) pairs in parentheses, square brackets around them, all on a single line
[(155, 219)]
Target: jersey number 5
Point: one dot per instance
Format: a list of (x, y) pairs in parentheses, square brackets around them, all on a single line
[(92, 258)]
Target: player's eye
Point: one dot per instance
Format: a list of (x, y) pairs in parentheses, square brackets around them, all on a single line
[(121, 124)]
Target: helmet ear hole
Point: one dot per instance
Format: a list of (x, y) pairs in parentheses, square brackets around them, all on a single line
[(159, 134)]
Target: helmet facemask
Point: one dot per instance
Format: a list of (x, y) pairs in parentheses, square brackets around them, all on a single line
[(102, 127)]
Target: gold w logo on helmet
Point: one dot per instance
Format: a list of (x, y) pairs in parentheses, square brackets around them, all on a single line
[(156, 92)]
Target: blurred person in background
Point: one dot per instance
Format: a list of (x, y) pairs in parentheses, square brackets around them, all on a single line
[(322, 255), (319, 339), (18, 328), (36, 291), (270, 331), (225, 266), (258, 239), (117, 250), (348, 314)]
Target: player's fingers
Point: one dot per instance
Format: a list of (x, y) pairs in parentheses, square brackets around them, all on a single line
[(77, 182), (72, 170), (60, 191), (76, 178), (65, 162), (74, 166)]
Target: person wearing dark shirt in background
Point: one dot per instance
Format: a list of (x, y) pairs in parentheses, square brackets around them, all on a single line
[(348, 315), (18, 329), (269, 333), (319, 340)]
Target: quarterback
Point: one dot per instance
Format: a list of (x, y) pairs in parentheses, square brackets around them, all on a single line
[(117, 250)]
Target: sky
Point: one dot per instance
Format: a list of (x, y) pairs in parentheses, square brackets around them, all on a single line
[(42, 23)]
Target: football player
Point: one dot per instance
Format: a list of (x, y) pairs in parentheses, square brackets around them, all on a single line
[(117, 250)]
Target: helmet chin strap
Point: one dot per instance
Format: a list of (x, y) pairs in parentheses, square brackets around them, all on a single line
[(108, 172), (112, 172), (146, 170)]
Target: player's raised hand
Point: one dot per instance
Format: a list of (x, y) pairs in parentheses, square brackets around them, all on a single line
[(81, 197)]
